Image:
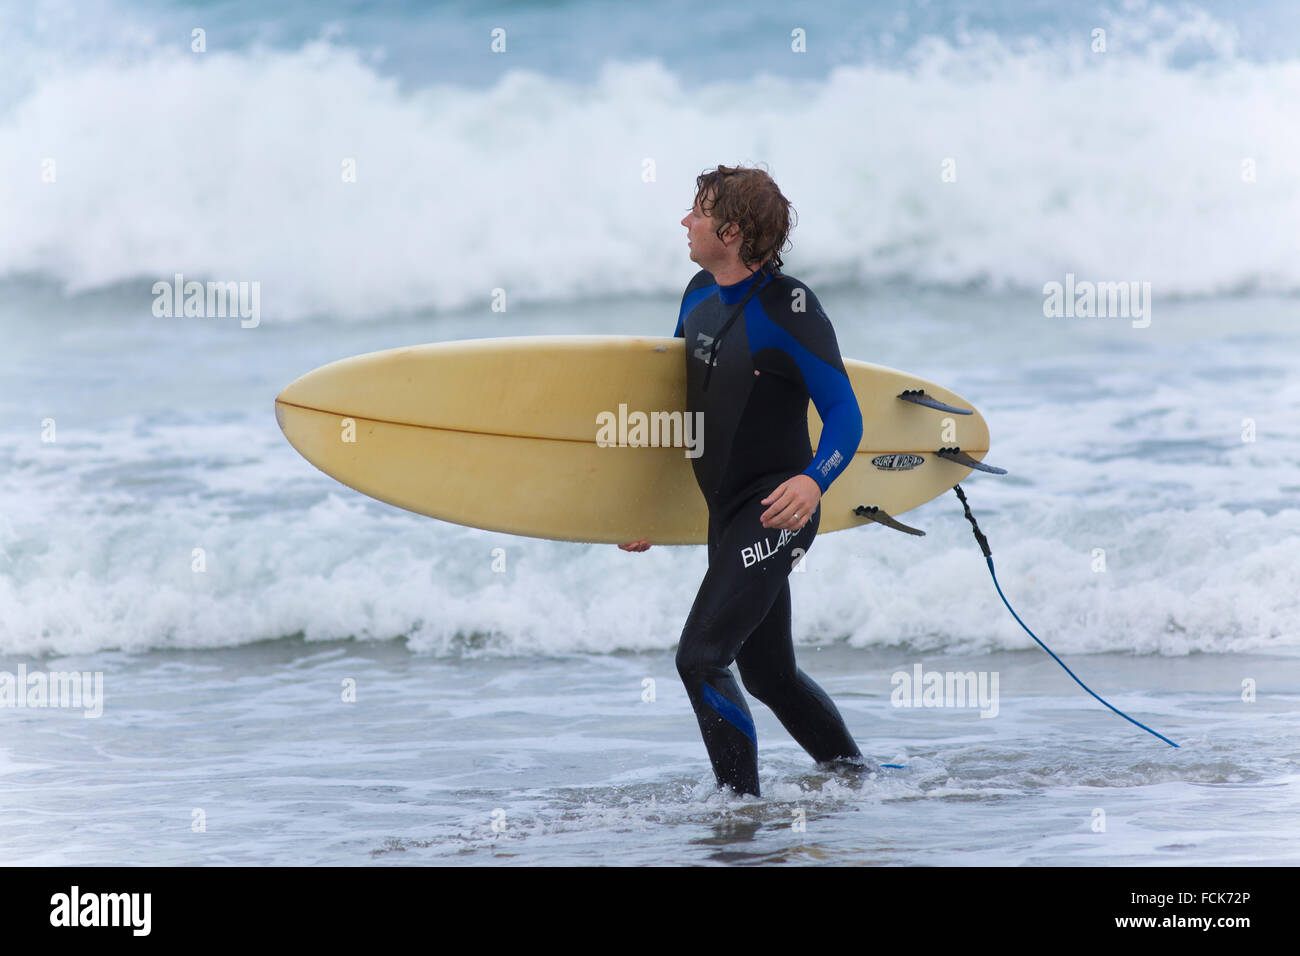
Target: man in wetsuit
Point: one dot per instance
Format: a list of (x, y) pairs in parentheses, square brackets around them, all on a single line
[(758, 345)]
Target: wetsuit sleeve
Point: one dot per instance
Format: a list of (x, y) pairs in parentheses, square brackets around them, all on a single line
[(841, 421), (808, 339)]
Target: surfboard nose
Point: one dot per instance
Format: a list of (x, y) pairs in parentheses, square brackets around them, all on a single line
[(279, 412)]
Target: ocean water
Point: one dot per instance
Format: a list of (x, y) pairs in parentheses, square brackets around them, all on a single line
[(1148, 529)]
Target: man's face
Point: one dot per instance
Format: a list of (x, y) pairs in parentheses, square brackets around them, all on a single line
[(706, 249)]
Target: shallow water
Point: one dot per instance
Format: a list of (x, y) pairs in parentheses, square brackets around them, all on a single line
[(561, 761)]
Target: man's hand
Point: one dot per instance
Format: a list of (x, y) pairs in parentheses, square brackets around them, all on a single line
[(792, 503), (642, 545)]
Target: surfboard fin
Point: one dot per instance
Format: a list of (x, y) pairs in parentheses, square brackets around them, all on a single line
[(918, 396), (960, 457), (872, 513)]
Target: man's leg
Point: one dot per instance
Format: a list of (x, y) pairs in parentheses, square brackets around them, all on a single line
[(747, 570), (768, 668)]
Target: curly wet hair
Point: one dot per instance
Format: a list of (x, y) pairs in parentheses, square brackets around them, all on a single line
[(749, 199)]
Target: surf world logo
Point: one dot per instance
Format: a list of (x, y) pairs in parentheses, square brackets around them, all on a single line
[(899, 462), (636, 429)]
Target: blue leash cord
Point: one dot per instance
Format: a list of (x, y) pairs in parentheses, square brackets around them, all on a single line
[(988, 557)]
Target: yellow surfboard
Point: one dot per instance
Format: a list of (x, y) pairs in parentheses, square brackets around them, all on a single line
[(521, 435)]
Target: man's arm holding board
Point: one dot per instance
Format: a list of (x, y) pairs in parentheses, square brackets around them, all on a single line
[(808, 341)]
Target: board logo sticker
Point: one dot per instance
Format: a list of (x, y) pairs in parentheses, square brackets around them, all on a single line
[(897, 462)]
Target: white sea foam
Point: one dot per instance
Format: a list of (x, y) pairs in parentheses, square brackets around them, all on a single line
[(1125, 165), (99, 553)]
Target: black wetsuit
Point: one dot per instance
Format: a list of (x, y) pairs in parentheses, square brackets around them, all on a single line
[(755, 438)]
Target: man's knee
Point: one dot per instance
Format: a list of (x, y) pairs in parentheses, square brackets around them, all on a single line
[(700, 651), (765, 685)]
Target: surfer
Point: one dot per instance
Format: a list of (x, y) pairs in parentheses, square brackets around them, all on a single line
[(758, 346)]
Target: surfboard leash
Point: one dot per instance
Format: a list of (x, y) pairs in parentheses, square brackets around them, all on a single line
[(988, 558)]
